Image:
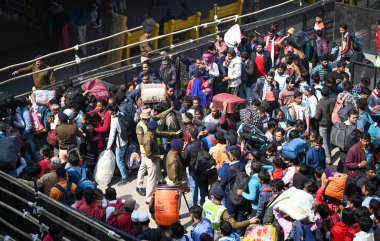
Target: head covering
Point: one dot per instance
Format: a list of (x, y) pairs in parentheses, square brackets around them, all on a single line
[(130, 203), (176, 144), (210, 58), (291, 30), (55, 162), (210, 126), (143, 217), (311, 89), (135, 216), (217, 191), (63, 117), (152, 125), (233, 147), (145, 113), (269, 96), (148, 29), (69, 113), (230, 138), (196, 90)]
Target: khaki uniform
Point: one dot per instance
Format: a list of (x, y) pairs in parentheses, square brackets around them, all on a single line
[(145, 49), (41, 79), (174, 168), (152, 152)]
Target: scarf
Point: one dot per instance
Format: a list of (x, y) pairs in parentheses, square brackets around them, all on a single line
[(197, 91), (319, 25), (210, 59), (272, 47)]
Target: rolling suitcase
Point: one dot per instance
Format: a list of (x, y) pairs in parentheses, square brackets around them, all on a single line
[(235, 103)]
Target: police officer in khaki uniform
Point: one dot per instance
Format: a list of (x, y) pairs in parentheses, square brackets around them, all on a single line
[(174, 166), (154, 153)]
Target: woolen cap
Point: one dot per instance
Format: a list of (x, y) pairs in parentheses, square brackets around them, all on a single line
[(135, 216), (55, 162), (217, 191), (210, 126), (130, 203), (63, 117), (152, 125), (143, 217)]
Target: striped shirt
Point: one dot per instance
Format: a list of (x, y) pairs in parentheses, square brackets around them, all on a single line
[(286, 96)]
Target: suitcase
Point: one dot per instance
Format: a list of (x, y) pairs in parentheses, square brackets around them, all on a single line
[(235, 103), (153, 93)]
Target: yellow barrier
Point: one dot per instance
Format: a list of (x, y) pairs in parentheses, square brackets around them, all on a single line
[(134, 37), (176, 25), (224, 11)]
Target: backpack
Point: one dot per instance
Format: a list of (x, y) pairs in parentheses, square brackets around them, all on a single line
[(125, 127), (241, 182), (112, 218), (253, 135), (374, 131), (337, 107), (323, 47), (343, 113), (83, 182), (333, 51), (287, 116), (293, 149), (343, 136), (67, 196), (356, 40), (74, 95), (204, 165)]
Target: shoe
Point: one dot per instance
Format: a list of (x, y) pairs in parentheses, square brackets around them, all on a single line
[(122, 182), (141, 191)]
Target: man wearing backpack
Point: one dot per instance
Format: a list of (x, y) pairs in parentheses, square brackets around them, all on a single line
[(117, 135), (347, 40), (63, 189)]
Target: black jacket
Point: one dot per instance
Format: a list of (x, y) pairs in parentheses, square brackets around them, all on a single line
[(324, 110), (189, 155), (267, 60), (248, 74), (169, 75)]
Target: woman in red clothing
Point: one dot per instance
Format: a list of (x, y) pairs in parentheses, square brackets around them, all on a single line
[(340, 230), (46, 154), (91, 206)]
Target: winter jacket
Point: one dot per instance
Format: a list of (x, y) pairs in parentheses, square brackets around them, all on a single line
[(189, 155), (355, 156), (315, 158), (324, 110), (265, 194), (339, 232), (234, 69), (254, 187), (168, 74)]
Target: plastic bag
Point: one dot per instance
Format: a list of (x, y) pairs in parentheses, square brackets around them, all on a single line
[(104, 168), (44, 96), (233, 36)]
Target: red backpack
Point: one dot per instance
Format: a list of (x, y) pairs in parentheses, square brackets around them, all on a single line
[(338, 106), (112, 219)]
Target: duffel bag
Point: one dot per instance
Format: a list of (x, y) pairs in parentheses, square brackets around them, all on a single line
[(260, 233), (292, 149), (336, 185), (343, 136)]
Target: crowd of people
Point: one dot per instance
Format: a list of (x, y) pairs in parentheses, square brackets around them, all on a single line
[(235, 163)]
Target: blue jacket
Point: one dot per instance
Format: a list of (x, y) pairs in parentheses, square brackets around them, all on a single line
[(25, 113), (207, 143), (264, 197), (204, 226), (254, 187), (203, 73), (315, 158), (229, 175)]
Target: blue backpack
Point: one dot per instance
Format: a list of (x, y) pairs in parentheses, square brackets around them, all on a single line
[(83, 181), (356, 40), (373, 130), (293, 149)]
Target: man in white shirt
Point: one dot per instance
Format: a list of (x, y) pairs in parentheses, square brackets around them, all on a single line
[(121, 145), (280, 76), (311, 102), (300, 111), (214, 116), (352, 117)]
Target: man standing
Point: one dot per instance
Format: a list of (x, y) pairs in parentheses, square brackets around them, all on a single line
[(41, 79), (359, 155), (263, 86), (141, 129), (121, 142), (233, 64), (347, 41), (153, 155), (311, 102), (262, 60), (323, 69), (286, 96), (174, 168), (146, 48), (168, 72)]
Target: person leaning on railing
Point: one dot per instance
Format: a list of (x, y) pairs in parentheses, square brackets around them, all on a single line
[(41, 79)]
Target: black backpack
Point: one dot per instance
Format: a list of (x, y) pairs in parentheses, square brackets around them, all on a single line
[(74, 95), (204, 165), (125, 127), (67, 196), (241, 182)]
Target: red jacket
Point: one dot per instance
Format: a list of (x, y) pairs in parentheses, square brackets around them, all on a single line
[(339, 232), (104, 128), (352, 232), (94, 210)]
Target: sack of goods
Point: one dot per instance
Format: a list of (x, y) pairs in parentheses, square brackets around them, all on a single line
[(10, 147), (343, 136), (104, 168), (234, 103), (260, 232), (43, 97), (336, 186), (252, 135), (153, 93), (294, 148), (297, 203), (96, 88)]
